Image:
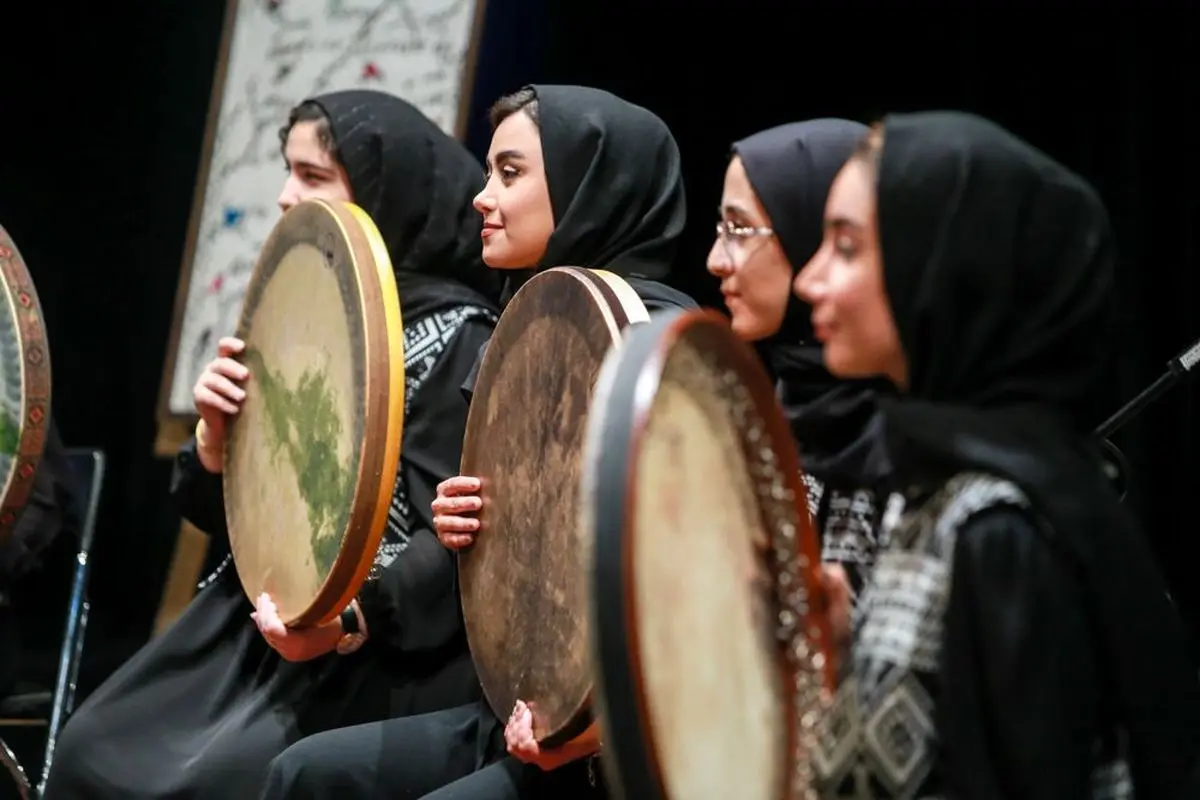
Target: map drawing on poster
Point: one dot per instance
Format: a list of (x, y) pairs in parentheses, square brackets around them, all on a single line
[(275, 54)]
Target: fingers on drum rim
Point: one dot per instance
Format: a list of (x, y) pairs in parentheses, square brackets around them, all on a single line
[(453, 524), (207, 397), (229, 346), (459, 484)]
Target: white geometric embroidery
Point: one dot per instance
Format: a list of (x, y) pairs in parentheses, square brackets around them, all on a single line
[(901, 617), (425, 339), (813, 490), (848, 525), (879, 741), (424, 342)]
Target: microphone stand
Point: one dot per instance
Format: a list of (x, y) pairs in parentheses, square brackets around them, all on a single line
[(1177, 369)]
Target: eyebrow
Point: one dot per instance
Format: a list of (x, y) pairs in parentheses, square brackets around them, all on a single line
[(301, 164), (732, 208), (508, 155), (843, 222)]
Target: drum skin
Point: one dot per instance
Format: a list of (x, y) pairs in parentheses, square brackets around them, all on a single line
[(709, 621), (523, 582), (311, 458), (24, 385)]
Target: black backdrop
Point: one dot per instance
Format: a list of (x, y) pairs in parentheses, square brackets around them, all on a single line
[(103, 119)]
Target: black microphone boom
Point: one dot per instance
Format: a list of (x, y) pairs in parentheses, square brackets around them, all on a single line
[(1177, 368)]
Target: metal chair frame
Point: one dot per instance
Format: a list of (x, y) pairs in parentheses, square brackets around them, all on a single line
[(70, 655)]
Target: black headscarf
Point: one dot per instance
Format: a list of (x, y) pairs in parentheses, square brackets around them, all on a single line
[(791, 168), (616, 188), (417, 184), (998, 263)]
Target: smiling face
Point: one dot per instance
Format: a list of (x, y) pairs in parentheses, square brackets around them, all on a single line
[(755, 274), (843, 282), (313, 173), (515, 202)]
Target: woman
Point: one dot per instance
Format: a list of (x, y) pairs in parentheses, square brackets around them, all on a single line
[(575, 176), (772, 216), (202, 709), (1015, 638)]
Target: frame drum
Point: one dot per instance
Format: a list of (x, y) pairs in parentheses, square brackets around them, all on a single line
[(710, 637), (524, 587), (311, 459), (24, 385)]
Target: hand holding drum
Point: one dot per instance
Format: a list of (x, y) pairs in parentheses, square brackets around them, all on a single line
[(523, 575), (218, 394), (455, 497)]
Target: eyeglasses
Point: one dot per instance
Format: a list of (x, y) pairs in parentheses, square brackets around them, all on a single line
[(734, 238)]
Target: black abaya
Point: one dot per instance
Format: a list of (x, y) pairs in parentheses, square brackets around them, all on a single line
[(203, 708), (612, 171), (200, 711), (1016, 638)]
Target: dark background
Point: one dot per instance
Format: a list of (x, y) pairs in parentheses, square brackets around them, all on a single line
[(104, 113)]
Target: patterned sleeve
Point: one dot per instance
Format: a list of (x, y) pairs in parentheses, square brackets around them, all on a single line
[(849, 523), (411, 598)]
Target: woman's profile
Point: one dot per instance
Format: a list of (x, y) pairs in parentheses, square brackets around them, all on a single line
[(201, 710), (575, 176)]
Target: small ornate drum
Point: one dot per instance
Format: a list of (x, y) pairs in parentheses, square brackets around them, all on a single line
[(711, 637), (524, 588), (24, 385), (311, 459)]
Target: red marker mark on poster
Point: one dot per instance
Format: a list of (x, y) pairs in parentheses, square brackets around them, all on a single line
[(215, 285), (371, 71)]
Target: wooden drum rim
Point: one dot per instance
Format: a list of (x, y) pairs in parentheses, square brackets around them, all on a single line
[(30, 330), (621, 307), (383, 398), (634, 375)]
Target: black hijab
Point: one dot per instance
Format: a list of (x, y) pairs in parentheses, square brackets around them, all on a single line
[(417, 184), (616, 188), (791, 168), (998, 264)]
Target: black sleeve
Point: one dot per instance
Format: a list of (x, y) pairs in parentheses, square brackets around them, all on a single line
[(1018, 716), (414, 605), (199, 493), (467, 387), (49, 511)]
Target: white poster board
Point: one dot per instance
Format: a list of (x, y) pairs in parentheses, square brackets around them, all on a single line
[(274, 54)]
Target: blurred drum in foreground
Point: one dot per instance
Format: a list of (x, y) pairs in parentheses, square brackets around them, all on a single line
[(711, 635)]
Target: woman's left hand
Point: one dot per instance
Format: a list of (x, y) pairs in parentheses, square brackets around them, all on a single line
[(300, 644), (523, 746)]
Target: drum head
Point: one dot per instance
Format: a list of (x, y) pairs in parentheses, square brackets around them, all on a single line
[(311, 459), (705, 570), (24, 385), (524, 589)]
